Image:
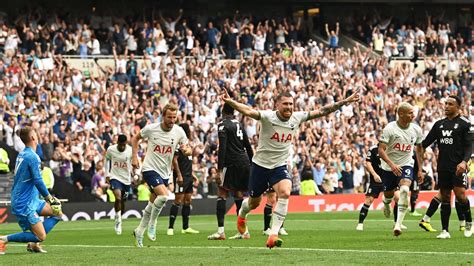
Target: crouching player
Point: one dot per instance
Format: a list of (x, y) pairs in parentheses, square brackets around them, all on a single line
[(26, 204)]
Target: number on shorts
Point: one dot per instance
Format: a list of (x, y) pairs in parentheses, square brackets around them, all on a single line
[(407, 172)]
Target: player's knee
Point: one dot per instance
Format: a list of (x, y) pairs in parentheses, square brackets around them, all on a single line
[(285, 194), (160, 200), (187, 202), (41, 237), (369, 200), (404, 189)]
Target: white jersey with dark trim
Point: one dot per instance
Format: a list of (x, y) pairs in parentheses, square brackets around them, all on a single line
[(400, 144), (120, 167), (161, 148), (276, 137)]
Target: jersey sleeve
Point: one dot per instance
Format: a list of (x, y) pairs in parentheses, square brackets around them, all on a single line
[(469, 140), (222, 132), (301, 117), (34, 168), (108, 154), (265, 115), (145, 131), (386, 135), (431, 137)]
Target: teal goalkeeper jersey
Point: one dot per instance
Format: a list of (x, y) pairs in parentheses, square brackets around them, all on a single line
[(27, 184)]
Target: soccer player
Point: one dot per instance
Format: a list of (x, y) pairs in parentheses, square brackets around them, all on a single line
[(454, 136), (269, 165), (26, 204), (396, 148), (163, 139), (118, 171), (234, 156), (183, 188), (372, 164)]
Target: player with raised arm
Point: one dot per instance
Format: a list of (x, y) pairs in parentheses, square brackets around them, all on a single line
[(454, 136), (118, 171), (26, 203), (269, 164), (234, 156), (183, 188), (396, 148), (163, 139)]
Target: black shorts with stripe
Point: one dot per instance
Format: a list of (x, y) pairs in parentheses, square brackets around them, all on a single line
[(236, 178), (187, 186)]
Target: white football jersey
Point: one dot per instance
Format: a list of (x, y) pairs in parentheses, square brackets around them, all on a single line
[(120, 167), (161, 147), (400, 144), (276, 137)]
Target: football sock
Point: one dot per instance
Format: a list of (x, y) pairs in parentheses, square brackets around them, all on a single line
[(459, 210), (467, 211), (238, 204), (23, 237), (49, 223), (158, 204), (363, 213), (281, 209), (173, 213), (145, 219), (220, 212), (413, 198), (445, 213), (185, 211), (386, 200), (267, 216), (118, 216), (245, 209), (395, 212), (434, 204), (402, 204)]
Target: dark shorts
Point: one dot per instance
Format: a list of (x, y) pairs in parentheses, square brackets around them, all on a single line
[(116, 184), (262, 178), (153, 179), (391, 181), (236, 178), (187, 186), (449, 180), (374, 188)]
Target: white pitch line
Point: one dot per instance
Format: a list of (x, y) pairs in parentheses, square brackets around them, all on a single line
[(263, 248)]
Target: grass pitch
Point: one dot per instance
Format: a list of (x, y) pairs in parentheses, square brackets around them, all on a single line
[(314, 238)]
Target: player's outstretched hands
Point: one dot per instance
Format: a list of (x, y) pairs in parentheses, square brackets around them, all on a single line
[(355, 97)]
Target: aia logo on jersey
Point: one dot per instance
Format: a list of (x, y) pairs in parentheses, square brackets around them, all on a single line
[(402, 147), (283, 138), (163, 149), (120, 164)]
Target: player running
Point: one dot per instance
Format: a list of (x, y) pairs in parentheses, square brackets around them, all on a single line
[(269, 165), (163, 140), (118, 171), (234, 156), (26, 204)]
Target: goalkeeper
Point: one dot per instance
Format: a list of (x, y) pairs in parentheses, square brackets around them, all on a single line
[(26, 203)]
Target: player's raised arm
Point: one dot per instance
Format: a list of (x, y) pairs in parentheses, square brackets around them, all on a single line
[(325, 110), (241, 108)]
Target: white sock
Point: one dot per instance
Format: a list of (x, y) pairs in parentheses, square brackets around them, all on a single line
[(118, 216), (4, 239), (462, 223), (145, 219), (279, 214), (244, 209), (402, 204), (426, 218), (386, 200), (220, 229), (158, 204)]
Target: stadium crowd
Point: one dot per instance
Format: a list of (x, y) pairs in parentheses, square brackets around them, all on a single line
[(78, 114)]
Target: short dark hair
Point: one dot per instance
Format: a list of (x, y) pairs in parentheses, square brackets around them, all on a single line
[(457, 99), (25, 134), (227, 109), (283, 94), (122, 139)]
